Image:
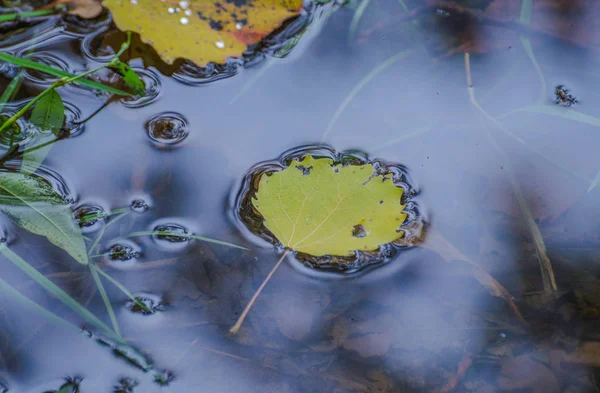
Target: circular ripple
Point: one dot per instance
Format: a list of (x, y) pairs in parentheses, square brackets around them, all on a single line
[(173, 237), (20, 132), (50, 59), (72, 119), (191, 74), (92, 48), (123, 255), (90, 217), (153, 303), (139, 206), (153, 88), (252, 223), (167, 129)]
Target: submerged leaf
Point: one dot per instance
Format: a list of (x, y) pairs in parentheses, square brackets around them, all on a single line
[(199, 30), (34, 205), (319, 208), (48, 115)]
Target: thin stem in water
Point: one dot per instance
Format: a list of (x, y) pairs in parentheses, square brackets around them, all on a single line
[(242, 317)]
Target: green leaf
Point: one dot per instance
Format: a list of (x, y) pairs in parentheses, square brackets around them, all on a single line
[(319, 208), (55, 72), (34, 205), (49, 112), (131, 79), (49, 115)]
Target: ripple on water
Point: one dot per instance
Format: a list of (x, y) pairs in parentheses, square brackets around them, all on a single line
[(50, 59), (251, 222), (92, 48), (139, 205), (167, 129), (20, 132), (90, 217), (172, 237), (123, 254), (153, 89), (126, 385), (73, 119), (191, 74), (153, 303)]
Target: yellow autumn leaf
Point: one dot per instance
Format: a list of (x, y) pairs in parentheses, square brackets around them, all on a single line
[(319, 208), (202, 31)]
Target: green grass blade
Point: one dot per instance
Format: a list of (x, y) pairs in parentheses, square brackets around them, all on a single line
[(96, 242), (363, 82), (358, 14), (565, 113), (169, 233), (123, 289), (58, 293), (526, 11), (53, 71), (105, 299), (594, 182), (25, 302), (21, 15), (11, 90)]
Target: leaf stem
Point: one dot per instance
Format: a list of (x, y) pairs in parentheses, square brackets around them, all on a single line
[(242, 317)]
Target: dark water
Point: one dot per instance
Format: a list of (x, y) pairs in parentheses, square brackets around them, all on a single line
[(422, 321)]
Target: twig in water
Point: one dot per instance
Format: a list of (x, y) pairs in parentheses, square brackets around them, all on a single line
[(240, 320), (548, 279)]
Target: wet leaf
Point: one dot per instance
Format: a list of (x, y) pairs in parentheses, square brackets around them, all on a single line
[(202, 31), (34, 205), (131, 79), (86, 9), (49, 112), (48, 115), (319, 208)]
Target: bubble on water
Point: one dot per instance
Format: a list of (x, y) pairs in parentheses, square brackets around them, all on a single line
[(139, 206), (126, 385), (50, 59), (184, 4), (171, 10), (167, 129), (239, 26), (220, 44), (90, 217), (152, 304), (188, 12), (184, 21), (134, 2), (152, 85)]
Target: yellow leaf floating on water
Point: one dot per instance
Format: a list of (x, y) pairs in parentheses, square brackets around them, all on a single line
[(202, 31), (319, 208)]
